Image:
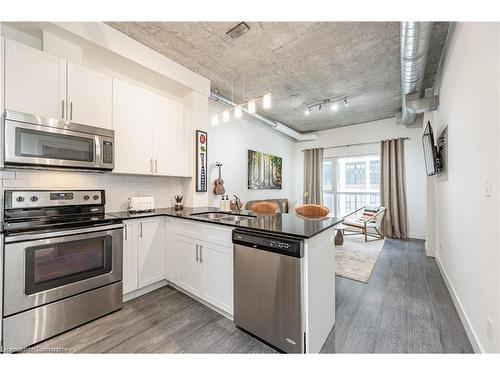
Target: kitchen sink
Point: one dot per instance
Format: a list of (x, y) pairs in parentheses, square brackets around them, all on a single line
[(210, 215), (234, 218), (229, 217)]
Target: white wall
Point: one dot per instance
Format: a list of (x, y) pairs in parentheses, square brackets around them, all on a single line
[(373, 132), (228, 143), (467, 221), (118, 187)]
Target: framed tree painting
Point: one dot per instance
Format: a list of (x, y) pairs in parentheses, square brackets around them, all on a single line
[(201, 161), (264, 171)]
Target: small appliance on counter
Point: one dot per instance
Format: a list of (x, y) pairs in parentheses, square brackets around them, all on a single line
[(141, 204)]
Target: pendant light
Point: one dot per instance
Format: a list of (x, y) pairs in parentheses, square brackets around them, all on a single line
[(251, 106), (215, 120), (225, 116), (266, 101), (237, 111)]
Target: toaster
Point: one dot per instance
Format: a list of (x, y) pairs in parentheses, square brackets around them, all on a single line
[(141, 204)]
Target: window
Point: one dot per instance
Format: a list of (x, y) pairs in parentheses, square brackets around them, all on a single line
[(375, 172), (350, 183), (355, 173)]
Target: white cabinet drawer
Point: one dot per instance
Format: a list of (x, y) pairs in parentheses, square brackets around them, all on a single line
[(218, 234)]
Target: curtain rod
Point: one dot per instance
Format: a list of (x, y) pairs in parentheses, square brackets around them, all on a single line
[(357, 144)]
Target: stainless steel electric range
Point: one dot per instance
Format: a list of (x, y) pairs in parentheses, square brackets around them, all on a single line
[(62, 263)]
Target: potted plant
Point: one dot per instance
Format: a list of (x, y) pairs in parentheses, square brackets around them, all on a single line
[(178, 202)]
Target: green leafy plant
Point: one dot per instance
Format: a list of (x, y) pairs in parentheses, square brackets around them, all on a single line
[(178, 198)]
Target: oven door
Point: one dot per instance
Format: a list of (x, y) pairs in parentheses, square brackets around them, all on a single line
[(43, 270), (30, 144)]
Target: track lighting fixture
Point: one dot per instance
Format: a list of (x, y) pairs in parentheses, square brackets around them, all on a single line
[(334, 102)]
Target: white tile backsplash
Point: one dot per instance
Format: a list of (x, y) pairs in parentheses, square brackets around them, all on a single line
[(118, 187)]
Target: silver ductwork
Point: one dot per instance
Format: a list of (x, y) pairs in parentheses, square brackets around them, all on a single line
[(415, 42), (215, 96)]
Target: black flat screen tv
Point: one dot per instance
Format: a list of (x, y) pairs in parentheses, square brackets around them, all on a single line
[(431, 152)]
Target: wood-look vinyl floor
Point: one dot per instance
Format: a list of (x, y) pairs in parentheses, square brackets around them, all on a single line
[(404, 308)]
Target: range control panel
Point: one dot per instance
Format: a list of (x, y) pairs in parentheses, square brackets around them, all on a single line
[(40, 198)]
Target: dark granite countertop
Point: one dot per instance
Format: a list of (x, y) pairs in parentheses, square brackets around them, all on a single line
[(285, 224)]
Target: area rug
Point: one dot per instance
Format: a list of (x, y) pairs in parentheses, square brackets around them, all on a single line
[(356, 258)]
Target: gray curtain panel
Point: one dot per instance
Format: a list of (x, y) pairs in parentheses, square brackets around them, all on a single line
[(393, 188), (313, 175)]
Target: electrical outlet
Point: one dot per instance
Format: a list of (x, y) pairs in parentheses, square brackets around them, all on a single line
[(489, 329)]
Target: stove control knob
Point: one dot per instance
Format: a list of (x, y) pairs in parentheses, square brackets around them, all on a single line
[(96, 197), (86, 197), (34, 198), (20, 199)]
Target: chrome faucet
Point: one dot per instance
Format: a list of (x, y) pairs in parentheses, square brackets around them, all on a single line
[(237, 202)]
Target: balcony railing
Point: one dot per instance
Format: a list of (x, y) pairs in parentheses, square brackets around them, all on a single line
[(342, 204)]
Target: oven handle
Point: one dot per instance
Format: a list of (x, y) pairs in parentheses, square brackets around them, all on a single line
[(40, 236)]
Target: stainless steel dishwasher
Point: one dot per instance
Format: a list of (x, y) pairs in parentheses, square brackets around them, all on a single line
[(268, 288)]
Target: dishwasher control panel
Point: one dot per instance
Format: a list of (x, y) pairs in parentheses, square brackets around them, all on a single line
[(269, 242)]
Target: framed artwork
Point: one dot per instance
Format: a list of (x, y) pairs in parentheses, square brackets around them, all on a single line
[(201, 161), (264, 171)]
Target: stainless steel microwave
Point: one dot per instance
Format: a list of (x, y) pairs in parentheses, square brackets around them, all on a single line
[(34, 141)]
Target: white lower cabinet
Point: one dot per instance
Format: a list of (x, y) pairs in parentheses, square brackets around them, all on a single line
[(188, 265), (200, 261), (217, 283), (143, 253)]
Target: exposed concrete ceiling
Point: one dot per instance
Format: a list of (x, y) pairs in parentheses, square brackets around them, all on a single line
[(299, 62)]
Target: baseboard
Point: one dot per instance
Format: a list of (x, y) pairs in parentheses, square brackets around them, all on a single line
[(145, 290), (461, 312), (208, 304)]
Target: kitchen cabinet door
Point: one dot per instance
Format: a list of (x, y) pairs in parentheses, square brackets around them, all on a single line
[(35, 82), (169, 138), (133, 126), (189, 268), (90, 96), (151, 251), (130, 279), (217, 262)]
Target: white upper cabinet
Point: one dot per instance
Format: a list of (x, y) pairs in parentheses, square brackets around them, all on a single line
[(133, 126), (35, 82), (169, 146), (149, 132), (90, 96)]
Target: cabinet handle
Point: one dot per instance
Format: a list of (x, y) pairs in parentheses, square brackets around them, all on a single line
[(62, 107), (151, 165), (126, 232), (197, 258), (201, 254), (141, 229), (71, 110), (156, 165)]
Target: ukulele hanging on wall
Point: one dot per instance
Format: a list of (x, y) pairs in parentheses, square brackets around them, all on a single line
[(219, 183)]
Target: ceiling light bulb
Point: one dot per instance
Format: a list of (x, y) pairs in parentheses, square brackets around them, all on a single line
[(266, 101), (251, 106), (225, 116), (308, 112), (335, 106), (345, 103), (237, 111), (215, 119)]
